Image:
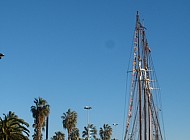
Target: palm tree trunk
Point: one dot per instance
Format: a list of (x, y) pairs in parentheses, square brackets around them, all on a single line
[(38, 133), (5, 137), (69, 134)]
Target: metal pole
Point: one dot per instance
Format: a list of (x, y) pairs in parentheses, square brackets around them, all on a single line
[(47, 122), (115, 124), (88, 108)]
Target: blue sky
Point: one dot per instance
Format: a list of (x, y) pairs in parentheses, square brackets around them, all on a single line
[(75, 53)]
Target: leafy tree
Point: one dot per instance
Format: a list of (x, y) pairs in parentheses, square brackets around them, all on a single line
[(69, 120), (58, 136), (13, 128), (75, 134), (40, 112), (89, 131), (105, 132)]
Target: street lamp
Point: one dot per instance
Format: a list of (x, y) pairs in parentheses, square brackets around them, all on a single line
[(115, 124), (88, 108), (1, 55)]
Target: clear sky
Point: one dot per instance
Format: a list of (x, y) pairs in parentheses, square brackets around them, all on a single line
[(75, 53)]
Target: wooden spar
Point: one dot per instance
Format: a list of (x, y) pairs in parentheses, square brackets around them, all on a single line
[(139, 76)]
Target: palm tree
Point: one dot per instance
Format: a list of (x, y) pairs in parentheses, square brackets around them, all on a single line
[(13, 128), (58, 136), (89, 130), (40, 112), (75, 134), (105, 132), (69, 121)]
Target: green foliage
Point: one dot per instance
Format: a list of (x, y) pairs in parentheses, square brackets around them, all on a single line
[(13, 128), (105, 132), (69, 120), (58, 136), (75, 134), (89, 131), (39, 112)]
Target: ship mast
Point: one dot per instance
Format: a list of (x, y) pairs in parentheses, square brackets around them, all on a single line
[(143, 114), (139, 73)]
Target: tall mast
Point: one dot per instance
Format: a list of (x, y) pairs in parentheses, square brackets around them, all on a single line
[(145, 86), (139, 74), (143, 120)]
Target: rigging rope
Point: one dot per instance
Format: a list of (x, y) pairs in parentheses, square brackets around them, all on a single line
[(126, 89), (142, 85), (159, 100)]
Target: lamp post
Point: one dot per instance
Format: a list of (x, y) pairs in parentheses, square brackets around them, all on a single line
[(88, 108), (115, 124), (47, 125), (1, 55)]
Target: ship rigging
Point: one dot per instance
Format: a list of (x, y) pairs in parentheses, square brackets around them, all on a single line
[(143, 118)]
